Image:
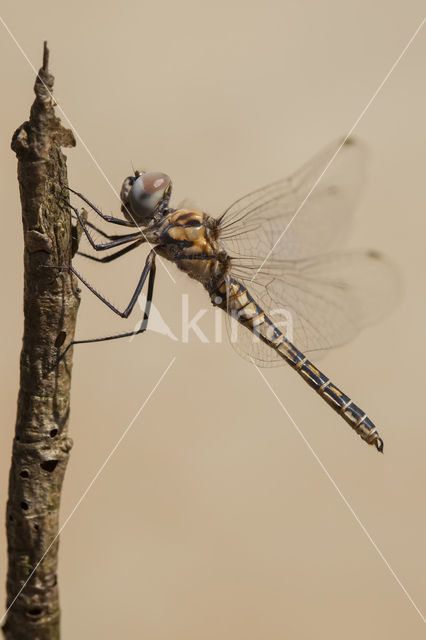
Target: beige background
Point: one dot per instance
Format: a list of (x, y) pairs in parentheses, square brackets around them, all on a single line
[(213, 519)]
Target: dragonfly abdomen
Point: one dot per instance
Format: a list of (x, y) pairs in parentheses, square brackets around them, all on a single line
[(245, 309), (338, 400)]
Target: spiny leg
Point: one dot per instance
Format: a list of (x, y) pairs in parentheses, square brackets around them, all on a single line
[(99, 230), (107, 245), (124, 223), (123, 314), (128, 334), (113, 256)]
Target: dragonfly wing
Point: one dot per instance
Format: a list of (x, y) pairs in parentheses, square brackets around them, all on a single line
[(303, 215), (318, 303)]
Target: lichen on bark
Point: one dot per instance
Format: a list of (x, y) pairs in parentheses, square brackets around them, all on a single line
[(41, 445)]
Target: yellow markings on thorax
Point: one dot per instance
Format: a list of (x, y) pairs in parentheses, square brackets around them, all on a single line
[(180, 231), (182, 216), (176, 233), (193, 234)]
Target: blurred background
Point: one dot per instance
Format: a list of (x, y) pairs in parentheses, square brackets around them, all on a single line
[(213, 519)]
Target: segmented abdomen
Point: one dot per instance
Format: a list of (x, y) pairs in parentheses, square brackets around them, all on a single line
[(238, 301)]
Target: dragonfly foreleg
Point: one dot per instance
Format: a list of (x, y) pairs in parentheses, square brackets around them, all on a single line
[(128, 310), (106, 245), (112, 219), (112, 256), (144, 324), (99, 230)]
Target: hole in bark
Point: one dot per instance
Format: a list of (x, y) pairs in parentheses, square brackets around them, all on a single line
[(11, 518), (35, 611), (24, 474), (24, 506), (60, 339), (53, 433), (49, 465), (36, 527), (17, 438)]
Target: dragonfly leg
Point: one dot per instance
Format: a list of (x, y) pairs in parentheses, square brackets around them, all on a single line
[(143, 326), (112, 256), (98, 229), (106, 245), (119, 221), (127, 311)]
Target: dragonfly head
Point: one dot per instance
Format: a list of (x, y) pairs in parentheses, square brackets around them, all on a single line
[(144, 195)]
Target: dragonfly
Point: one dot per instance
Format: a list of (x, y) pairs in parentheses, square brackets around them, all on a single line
[(274, 252)]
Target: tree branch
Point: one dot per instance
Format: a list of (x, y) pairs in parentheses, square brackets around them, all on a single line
[(41, 446)]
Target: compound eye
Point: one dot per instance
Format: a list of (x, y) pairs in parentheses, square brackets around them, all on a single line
[(148, 193), (125, 189), (155, 182)]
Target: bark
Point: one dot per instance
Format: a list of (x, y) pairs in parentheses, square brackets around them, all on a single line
[(41, 446)]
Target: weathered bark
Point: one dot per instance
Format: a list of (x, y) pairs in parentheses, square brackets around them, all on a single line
[(41, 446)]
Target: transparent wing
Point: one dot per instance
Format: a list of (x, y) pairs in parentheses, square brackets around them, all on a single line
[(322, 301), (300, 216), (318, 303)]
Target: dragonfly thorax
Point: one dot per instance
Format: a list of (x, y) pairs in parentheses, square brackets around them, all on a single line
[(189, 239)]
